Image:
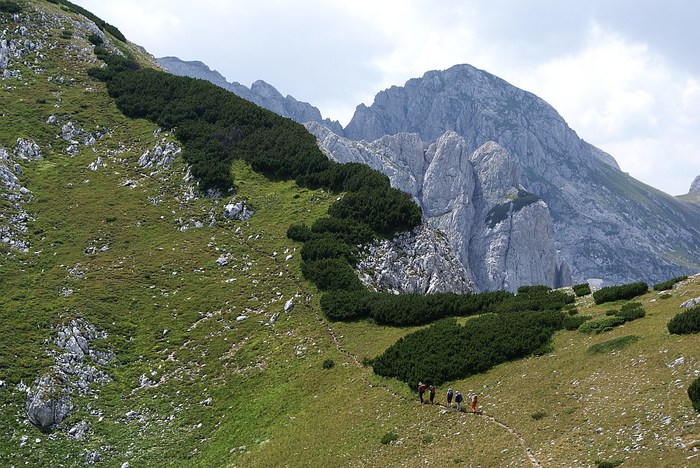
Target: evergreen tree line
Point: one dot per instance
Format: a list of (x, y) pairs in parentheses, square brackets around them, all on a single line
[(622, 292), (666, 285), (419, 309)]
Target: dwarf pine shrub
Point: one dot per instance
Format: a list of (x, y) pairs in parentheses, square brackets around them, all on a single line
[(694, 394), (686, 322)]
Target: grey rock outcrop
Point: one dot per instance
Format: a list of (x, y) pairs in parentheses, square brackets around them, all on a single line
[(239, 211), (49, 400), (474, 199), (4, 55), (260, 92), (421, 261), (161, 156), (695, 186), (605, 223)]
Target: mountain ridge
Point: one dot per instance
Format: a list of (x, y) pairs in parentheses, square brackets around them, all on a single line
[(260, 92)]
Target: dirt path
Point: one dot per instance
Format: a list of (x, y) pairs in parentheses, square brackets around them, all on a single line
[(488, 417)]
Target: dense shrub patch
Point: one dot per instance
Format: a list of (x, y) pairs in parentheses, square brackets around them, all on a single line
[(686, 322), (7, 6), (574, 322), (666, 285), (417, 309), (694, 393), (447, 351), (623, 292), (582, 289), (630, 311)]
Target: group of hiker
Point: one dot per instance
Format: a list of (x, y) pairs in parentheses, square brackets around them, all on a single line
[(458, 398)]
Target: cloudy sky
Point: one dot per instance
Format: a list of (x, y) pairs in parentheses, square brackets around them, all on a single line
[(624, 74)]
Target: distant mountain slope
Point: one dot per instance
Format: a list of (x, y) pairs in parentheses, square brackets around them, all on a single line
[(261, 93), (606, 224)]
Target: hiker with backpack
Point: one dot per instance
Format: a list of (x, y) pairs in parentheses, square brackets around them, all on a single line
[(432, 394), (458, 400), (474, 403), (449, 397), (421, 391)]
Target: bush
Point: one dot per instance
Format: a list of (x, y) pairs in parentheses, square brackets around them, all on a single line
[(537, 415), (616, 293), (389, 437), (447, 351), (346, 305), (299, 232), (326, 246), (694, 394), (331, 274), (328, 363), (686, 322), (630, 311), (666, 285), (9, 7), (95, 39), (601, 325), (615, 344), (573, 323), (582, 289)]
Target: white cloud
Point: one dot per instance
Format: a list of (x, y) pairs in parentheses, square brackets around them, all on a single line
[(625, 99)]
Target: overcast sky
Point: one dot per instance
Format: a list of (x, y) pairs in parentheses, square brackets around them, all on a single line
[(625, 74)]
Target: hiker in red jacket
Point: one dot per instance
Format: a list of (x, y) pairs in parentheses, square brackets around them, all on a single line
[(421, 391), (474, 403)]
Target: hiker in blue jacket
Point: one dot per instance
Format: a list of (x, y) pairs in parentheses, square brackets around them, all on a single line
[(449, 397), (458, 400)]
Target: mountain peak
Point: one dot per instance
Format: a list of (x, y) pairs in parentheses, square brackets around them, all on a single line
[(695, 186)]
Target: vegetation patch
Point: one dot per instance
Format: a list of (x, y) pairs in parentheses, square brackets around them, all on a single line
[(389, 437), (616, 344), (630, 311), (666, 285), (687, 322), (582, 289), (617, 293), (608, 463), (537, 415), (694, 393), (7, 6), (447, 351)]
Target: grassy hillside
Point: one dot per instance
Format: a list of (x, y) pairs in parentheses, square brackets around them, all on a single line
[(131, 252)]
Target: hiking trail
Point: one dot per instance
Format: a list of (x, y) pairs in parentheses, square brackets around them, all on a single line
[(526, 448)]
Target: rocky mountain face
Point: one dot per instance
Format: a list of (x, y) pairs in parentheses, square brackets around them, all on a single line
[(503, 236), (260, 92), (695, 186), (604, 223)]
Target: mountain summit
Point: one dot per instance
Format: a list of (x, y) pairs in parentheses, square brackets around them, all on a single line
[(606, 224)]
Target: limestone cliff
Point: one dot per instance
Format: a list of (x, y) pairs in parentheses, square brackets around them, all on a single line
[(502, 235)]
